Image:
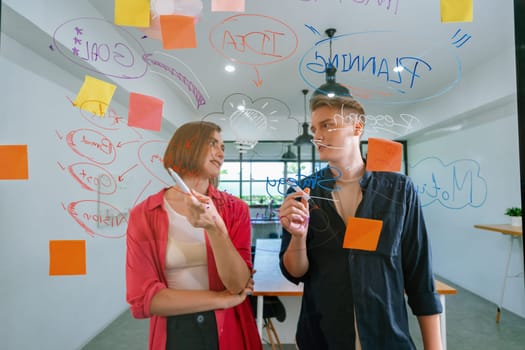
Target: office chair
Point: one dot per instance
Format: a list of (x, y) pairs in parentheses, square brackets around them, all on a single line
[(272, 308)]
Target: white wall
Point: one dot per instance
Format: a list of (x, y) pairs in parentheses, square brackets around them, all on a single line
[(58, 312), (472, 258)]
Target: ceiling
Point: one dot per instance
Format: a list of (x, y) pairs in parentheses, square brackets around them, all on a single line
[(279, 48)]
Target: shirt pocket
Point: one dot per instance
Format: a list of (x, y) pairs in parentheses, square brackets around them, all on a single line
[(390, 236)]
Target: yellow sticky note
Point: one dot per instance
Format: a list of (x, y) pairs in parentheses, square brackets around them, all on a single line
[(362, 233), (67, 257), (135, 13), (94, 96), (456, 11), (227, 5), (178, 32), (13, 162)]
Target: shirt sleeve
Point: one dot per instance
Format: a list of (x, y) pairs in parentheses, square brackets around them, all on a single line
[(417, 259), (143, 266), (240, 231)]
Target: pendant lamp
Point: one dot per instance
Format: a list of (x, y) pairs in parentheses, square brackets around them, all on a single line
[(305, 137), (288, 155), (331, 88)]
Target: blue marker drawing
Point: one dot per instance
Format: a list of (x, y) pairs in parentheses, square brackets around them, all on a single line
[(454, 185), (315, 31), (461, 41)]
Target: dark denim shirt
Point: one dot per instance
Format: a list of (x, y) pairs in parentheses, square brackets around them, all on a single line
[(373, 283)]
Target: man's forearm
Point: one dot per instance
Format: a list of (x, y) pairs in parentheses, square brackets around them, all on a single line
[(295, 259), (430, 332)]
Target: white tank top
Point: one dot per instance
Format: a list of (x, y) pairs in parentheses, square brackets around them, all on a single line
[(186, 261)]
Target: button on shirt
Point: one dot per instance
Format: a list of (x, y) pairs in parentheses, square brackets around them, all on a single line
[(372, 283)]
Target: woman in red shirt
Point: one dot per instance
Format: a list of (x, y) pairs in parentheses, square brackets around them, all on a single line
[(188, 259)]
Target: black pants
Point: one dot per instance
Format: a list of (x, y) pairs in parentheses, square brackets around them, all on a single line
[(197, 331)]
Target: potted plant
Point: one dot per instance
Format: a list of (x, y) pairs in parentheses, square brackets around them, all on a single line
[(515, 215)]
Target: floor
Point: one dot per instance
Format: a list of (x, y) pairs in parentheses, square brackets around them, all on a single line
[(470, 325)]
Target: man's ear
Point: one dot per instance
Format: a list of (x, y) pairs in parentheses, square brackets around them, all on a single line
[(358, 128)]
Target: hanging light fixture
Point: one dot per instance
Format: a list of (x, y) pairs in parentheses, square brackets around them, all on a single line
[(331, 88), (288, 155), (305, 137)]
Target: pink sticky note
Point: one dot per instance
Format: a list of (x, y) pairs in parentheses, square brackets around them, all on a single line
[(227, 5), (145, 112)]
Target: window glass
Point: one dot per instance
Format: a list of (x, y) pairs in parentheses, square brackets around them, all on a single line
[(306, 169), (246, 171), (232, 187), (230, 171), (263, 181), (246, 193), (262, 170)]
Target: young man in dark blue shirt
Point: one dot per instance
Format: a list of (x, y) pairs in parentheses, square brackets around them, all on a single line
[(355, 298)]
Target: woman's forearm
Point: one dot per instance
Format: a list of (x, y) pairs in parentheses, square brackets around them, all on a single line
[(232, 268), (170, 302)]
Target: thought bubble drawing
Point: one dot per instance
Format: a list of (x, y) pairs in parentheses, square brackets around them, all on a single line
[(115, 54), (455, 185), (244, 119)]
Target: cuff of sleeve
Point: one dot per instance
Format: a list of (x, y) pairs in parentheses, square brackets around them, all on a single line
[(288, 276), (425, 304), (142, 308)]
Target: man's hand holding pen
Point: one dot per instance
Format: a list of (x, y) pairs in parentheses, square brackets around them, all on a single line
[(293, 214)]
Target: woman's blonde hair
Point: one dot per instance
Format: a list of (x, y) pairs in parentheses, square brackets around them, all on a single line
[(188, 147)]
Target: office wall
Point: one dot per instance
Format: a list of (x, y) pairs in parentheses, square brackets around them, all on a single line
[(467, 174), (61, 201)]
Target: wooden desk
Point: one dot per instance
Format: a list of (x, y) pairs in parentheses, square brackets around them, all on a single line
[(503, 228), (269, 281), (515, 233), (268, 278)]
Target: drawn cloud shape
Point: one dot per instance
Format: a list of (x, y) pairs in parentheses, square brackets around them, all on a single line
[(244, 119), (455, 185)]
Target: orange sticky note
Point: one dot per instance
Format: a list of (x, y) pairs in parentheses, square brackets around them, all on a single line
[(227, 5), (134, 13), (384, 155), (67, 257), (145, 112), (362, 233), (456, 11), (94, 96), (178, 32), (13, 162)]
